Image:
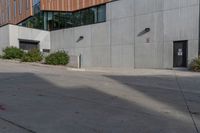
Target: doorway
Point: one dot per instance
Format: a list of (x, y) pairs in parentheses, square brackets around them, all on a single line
[(180, 53)]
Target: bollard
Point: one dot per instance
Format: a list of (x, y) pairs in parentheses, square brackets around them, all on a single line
[(79, 61)]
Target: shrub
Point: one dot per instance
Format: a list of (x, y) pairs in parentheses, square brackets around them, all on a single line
[(33, 55), (57, 58), (195, 65), (12, 53)]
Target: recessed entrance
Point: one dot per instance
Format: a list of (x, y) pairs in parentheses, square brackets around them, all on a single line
[(28, 44), (180, 53)]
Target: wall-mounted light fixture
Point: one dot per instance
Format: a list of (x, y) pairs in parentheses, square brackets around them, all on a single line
[(146, 30), (80, 38)]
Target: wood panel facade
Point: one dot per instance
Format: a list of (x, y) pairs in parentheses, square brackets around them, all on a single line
[(69, 5), (15, 11)]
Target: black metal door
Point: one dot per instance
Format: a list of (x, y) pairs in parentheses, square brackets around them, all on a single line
[(180, 54)]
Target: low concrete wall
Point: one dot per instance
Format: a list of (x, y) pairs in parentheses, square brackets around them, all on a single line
[(94, 48), (18, 32), (117, 43), (4, 38), (10, 35)]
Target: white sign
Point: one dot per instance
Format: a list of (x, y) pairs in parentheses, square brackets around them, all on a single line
[(180, 52)]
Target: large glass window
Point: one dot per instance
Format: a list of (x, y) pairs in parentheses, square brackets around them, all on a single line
[(35, 22), (77, 19), (102, 13), (90, 16), (58, 20)]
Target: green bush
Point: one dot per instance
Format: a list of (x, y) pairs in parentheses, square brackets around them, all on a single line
[(12, 53), (33, 55), (57, 58), (195, 65)]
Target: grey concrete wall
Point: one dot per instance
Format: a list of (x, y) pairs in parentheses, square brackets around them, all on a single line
[(108, 44), (94, 48), (117, 43), (181, 23), (120, 14), (169, 20), (4, 38), (18, 32), (10, 35)]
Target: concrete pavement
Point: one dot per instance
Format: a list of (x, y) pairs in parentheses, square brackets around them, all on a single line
[(55, 100)]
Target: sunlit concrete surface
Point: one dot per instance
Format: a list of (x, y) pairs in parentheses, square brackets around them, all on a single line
[(39, 99)]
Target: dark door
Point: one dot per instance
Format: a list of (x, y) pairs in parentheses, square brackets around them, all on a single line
[(180, 54)]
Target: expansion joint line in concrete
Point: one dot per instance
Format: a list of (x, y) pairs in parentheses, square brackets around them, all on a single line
[(17, 125), (185, 101)]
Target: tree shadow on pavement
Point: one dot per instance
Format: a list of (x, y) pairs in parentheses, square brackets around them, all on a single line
[(168, 94), (44, 107)]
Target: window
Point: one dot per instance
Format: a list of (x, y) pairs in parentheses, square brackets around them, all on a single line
[(102, 13), (95, 14), (88, 16), (58, 20), (77, 18)]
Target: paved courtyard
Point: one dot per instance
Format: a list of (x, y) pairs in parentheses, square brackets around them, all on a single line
[(38, 99)]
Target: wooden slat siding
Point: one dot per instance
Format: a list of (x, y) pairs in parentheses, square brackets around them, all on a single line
[(4, 18), (25, 12), (1, 12), (69, 5), (54, 5), (81, 4), (19, 17)]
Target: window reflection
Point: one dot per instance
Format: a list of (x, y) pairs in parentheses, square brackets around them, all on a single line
[(58, 20)]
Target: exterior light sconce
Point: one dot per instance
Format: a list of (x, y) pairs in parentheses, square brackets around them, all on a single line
[(146, 30), (80, 38)]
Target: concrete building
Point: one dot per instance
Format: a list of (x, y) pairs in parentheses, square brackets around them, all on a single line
[(134, 34)]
